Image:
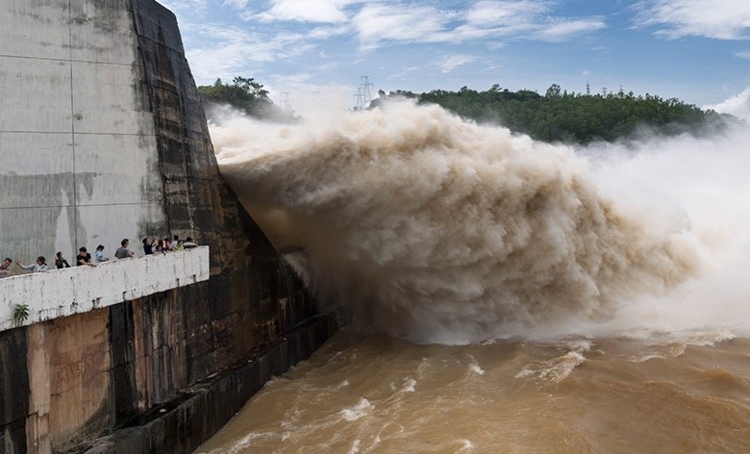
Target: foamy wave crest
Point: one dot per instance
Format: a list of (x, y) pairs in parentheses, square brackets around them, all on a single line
[(357, 411), (439, 230), (555, 370)]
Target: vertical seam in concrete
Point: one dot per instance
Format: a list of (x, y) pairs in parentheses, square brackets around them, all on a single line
[(72, 123)]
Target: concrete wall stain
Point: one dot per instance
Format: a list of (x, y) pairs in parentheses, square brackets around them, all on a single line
[(30, 232)]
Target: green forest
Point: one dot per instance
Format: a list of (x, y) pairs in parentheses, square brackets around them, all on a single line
[(556, 116)]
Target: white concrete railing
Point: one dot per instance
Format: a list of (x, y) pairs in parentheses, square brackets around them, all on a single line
[(59, 293)]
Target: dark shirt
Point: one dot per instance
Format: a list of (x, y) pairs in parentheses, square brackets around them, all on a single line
[(148, 249), (85, 258), (62, 264)]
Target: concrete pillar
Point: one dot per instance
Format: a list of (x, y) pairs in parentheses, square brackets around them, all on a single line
[(37, 423)]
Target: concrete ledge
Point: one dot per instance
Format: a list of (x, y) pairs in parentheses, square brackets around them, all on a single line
[(59, 293)]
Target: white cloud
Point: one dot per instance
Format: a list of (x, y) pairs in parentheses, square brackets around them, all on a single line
[(229, 51), (526, 19), (487, 19), (378, 23), (195, 7), (493, 13), (564, 29), (324, 11), (448, 63), (328, 32), (239, 4), (743, 54), (225, 38), (403, 73), (737, 105), (719, 19)]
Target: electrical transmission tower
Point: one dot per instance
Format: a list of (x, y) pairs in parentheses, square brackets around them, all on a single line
[(358, 99), (364, 95), (285, 103)]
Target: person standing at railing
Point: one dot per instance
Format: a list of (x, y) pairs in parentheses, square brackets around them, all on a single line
[(60, 261), (148, 246), (83, 257), (40, 265), (123, 252), (99, 254)]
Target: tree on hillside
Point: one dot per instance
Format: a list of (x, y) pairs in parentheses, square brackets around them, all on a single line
[(553, 91), (245, 95)]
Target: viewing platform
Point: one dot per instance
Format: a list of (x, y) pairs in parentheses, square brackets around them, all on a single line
[(62, 292)]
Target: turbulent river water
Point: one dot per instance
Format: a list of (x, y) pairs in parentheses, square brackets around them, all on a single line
[(502, 295)]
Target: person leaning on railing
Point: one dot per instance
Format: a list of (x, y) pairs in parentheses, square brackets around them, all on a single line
[(40, 265), (83, 257)]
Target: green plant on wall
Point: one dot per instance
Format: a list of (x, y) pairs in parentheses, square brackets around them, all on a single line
[(21, 313)]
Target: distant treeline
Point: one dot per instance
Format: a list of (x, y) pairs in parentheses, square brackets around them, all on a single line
[(556, 116), (559, 116)]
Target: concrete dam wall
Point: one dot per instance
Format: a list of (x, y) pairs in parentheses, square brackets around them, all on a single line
[(103, 137)]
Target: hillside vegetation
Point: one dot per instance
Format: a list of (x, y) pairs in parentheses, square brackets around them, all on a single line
[(556, 116), (559, 116)]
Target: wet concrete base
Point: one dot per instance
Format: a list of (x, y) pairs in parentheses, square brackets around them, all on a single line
[(181, 425)]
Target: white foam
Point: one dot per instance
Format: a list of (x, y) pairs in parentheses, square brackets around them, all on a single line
[(553, 371), (360, 410)]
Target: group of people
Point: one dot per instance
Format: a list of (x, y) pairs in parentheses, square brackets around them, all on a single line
[(5, 266), (157, 246), (84, 258)]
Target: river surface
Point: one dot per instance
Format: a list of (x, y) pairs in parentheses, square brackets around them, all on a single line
[(666, 393), (502, 295)]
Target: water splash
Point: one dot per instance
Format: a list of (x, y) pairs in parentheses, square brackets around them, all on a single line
[(438, 230)]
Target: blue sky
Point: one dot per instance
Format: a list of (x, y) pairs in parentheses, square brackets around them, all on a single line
[(694, 50)]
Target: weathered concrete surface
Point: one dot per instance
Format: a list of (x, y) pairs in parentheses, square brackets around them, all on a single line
[(77, 139), (102, 136), (59, 293), (79, 377), (197, 201)]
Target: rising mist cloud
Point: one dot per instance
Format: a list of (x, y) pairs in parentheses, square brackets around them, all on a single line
[(431, 228), (737, 105)]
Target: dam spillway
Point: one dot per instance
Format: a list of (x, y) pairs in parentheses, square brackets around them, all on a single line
[(103, 137)]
